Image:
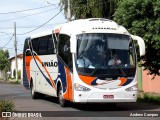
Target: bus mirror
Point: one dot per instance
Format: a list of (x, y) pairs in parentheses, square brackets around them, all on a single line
[(141, 44), (73, 44)]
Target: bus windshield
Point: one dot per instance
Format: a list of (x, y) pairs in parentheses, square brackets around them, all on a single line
[(105, 55)]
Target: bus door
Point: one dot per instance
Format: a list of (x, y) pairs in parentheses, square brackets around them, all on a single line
[(66, 59)]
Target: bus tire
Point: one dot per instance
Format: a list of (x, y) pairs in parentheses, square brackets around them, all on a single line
[(34, 94), (61, 100)]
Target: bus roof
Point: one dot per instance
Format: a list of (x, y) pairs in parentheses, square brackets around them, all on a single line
[(92, 25), (41, 34)]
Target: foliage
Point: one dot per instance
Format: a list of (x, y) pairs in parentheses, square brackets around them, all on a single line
[(19, 74), (6, 106), (90, 8), (141, 17), (4, 62), (15, 82), (14, 73), (149, 98)]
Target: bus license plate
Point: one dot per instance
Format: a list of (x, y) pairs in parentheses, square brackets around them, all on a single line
[(108, 96)]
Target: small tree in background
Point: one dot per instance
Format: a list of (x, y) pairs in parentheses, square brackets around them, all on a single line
[(14, 73), (4, 61), (19, 74), (81, 9)]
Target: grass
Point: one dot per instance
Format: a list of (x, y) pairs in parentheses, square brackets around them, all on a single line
[(149, 98), (14, 82)]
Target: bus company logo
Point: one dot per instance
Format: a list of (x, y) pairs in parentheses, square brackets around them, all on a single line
[(50, 64), (6, 114)]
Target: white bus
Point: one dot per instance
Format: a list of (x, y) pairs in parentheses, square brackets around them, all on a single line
[(83, 61)]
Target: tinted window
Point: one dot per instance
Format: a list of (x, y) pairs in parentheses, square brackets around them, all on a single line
[(64, 50), (35, 43), (26, 50), (43, 45), (50, 45), (43, 41), (105, 54)]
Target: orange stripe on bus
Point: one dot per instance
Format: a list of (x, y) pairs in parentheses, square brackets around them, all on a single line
[(87, 79), (69, 91), (27, 65), (123, 80)]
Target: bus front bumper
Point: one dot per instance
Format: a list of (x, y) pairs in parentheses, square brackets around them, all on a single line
[(105, 97)]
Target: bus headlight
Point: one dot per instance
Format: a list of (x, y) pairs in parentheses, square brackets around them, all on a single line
[(132, 88), (79, 87)]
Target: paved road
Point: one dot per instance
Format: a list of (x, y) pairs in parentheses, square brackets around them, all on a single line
[(23, 102)]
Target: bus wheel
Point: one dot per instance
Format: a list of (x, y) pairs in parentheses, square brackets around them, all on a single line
[(61, 100), (34, 94)]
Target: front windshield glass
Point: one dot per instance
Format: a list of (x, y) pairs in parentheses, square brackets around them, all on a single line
[(105, 54)]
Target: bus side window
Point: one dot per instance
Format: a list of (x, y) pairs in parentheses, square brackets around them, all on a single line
[(26, 51), (34, 45), (50, 45), (43, 45), (64, 50)]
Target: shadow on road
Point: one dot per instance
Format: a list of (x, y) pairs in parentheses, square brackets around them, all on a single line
[(107, 106), (116, 107)]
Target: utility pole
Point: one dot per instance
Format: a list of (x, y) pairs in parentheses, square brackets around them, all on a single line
[(69, 11), (15, 45)]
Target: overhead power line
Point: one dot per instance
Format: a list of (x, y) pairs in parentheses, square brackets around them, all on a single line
[(7, 42), (8, 34), (27, 9), (27, 15), (42, 24)]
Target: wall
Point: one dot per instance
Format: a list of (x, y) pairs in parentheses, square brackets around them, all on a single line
[(20, 67), (2, 74), (150, 85)]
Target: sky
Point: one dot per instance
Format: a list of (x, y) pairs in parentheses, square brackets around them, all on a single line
[(28, 15)]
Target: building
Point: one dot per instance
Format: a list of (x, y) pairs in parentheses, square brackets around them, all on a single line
[(13, 66)]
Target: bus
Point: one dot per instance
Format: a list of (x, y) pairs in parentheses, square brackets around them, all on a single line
[(83, 61)]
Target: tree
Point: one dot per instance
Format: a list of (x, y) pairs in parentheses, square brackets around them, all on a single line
[(141, 17), (4, 61), (90, 8)]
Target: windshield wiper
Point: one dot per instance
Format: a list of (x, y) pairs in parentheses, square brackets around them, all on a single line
[(93, 72)]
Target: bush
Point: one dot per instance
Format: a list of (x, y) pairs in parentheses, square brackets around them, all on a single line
[(152, 99), (14, 73), (149, 98), (15, 82), (19, 74), (6, 106)]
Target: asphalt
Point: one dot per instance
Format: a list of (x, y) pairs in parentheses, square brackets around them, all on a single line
[(23, 102)]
